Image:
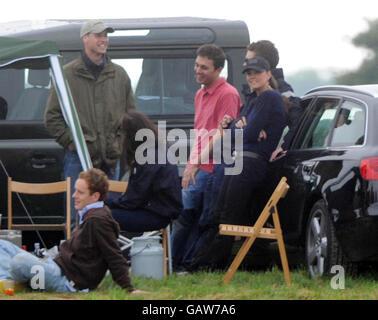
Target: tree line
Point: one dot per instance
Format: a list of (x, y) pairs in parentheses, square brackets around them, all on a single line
[(367, 73)]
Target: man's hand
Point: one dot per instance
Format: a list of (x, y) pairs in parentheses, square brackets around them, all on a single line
[(224, 124), (189, 175), (226, 121), (241, 123)]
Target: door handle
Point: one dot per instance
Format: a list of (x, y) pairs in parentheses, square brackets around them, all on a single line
[(41, 163), (307, 168)]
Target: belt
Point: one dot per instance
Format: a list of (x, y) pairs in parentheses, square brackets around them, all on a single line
[(248, 154)]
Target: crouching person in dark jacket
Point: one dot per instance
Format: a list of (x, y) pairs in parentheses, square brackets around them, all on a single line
[(83, 260), (153, 196)]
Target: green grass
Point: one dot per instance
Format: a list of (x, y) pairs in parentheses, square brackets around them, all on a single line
[(253, 285)]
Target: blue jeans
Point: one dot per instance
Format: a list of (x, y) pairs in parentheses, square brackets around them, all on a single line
[(185, 228), (206, 219), (211, 195), (19, 265), (72, 168)]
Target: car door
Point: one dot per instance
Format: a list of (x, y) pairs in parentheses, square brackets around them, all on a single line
[(27, 152), (342, 186), (299, 164)]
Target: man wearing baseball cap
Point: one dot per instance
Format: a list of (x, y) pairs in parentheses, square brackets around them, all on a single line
[(102, 93), (94, 26)]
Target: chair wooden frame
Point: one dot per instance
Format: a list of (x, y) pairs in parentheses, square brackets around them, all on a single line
[(35, 189), (120, 187), (257, 231)]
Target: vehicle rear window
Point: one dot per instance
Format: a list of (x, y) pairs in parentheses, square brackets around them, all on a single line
[(350, 125), (24, 93), (318, 126), (162, 36), (162, 86)]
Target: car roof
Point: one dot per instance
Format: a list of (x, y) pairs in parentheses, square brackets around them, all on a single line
[(225, 33), (367, 89)]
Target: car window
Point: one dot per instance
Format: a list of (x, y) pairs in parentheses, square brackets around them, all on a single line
[(24, 93), (349, 126), (305, 103), (316, 130), (163, 86)]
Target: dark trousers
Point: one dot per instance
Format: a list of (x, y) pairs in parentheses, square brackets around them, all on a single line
[(185, 227), (232, 207), (139, 220)]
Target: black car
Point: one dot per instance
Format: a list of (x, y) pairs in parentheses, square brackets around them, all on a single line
[(331, 208)]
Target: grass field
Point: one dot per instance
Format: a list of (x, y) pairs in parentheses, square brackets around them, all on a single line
[(246, 285)]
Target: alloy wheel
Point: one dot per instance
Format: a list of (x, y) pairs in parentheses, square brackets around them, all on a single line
[(316, 244)]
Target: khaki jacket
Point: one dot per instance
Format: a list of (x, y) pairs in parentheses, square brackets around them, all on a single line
[(100, 105)]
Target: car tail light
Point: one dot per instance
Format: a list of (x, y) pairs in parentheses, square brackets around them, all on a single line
[(369, 168)]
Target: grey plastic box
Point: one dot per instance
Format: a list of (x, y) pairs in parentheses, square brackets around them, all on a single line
[(14, 236)]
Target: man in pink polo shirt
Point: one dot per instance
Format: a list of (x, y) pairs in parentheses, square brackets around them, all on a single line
[(213, 101)]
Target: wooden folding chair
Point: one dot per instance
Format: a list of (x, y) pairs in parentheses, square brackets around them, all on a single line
[(257, 231), (39, 189), (120, 187)]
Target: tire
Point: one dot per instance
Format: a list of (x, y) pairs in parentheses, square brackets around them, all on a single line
[(322, 248)]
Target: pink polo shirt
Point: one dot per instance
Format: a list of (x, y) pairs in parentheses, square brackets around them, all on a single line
[(211, 105)]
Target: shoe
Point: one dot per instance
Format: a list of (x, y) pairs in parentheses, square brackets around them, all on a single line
[(177, 269)]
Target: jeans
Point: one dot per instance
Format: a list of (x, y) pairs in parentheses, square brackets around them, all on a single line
[(185, 228), (22, 266), (72, 168), (206, 219), (211, 195)]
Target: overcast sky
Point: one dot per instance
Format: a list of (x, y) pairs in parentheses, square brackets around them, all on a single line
[(308, 33)]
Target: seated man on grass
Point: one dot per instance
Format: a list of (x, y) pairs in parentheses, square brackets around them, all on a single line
[(83, 260)]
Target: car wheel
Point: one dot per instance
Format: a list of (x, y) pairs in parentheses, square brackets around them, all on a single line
[(322, 248)]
